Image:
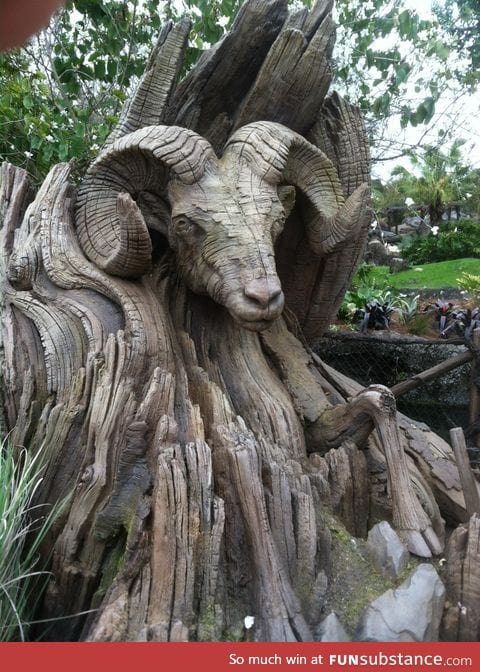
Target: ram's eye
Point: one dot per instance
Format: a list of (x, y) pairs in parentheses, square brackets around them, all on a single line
[(186, 228)]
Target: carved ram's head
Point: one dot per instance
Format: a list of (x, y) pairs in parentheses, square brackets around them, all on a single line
[(225, 213)]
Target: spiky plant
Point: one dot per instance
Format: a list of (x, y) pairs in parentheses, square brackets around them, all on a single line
[(407, 308), (23, 527)]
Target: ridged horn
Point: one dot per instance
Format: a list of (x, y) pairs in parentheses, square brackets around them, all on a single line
[(282, 156), (110, 225)]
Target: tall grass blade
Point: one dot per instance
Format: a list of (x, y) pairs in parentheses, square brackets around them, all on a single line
[(23, 527)]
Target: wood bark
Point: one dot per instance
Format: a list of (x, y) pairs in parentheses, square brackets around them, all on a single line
[(469, 484), (197, 458), (474, 402), (462, 614)]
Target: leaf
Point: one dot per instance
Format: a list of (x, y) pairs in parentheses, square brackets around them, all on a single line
[(382, 105), (63, 151), (426, 110), (111, 70), (404, 22), (99, 69), (78, 146), (27, 101), (364, 89), (402, 72)]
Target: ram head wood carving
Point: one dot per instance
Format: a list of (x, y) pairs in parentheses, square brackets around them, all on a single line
[(205, 467), (222, 216)]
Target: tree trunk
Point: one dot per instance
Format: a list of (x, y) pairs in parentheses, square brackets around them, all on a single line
[(189, 447)]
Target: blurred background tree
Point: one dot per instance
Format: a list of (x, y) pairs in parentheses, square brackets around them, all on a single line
[(439, 179), (61, 94)]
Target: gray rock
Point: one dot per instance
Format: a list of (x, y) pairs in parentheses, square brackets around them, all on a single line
[(388, 553), (331, 630), (410, 613), (397, 264), (377, 253), (412, 223)]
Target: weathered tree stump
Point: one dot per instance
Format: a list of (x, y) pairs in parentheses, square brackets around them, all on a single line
[(462, 614), (147, 352)]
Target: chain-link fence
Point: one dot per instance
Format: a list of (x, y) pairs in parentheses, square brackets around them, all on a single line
[(441, 404)]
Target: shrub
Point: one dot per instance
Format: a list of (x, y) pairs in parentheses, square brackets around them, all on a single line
[(370, 286), (465, 321), (376, 316), (454, 240), (470, 283)]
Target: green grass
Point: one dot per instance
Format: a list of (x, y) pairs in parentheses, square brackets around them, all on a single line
[(439, 275)]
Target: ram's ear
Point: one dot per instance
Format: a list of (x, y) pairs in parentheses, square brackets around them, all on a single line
[(286, 194), (157, 215), (155, 211), (136, 164)]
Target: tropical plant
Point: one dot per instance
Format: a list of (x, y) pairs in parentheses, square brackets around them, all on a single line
[(470, 283), (407, 307), (437, 178), (463, 322), (376, 316), (23, 527), (369, 285), (443, 312)]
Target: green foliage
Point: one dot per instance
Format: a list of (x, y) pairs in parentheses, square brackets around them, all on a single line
[(407, 308), (81, 70), (368, 286), (461, 20), (454, 240), (469, 282), (66, 106), (23, 527), (387, 195), (384, 48)]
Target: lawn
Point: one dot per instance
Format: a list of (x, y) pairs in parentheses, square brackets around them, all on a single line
[(439, 275)]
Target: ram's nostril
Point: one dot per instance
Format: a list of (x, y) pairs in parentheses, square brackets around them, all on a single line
[(263, 290)]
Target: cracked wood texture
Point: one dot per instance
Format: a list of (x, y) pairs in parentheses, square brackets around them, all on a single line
[(166, 377), (462, 612)]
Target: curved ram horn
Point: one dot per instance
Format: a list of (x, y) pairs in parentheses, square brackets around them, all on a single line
[(110, 225), (282, 156)]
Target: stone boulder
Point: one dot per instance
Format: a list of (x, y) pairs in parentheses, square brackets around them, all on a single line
[(377, 253), (397, 264), (331, 630), (410, 613), (386, 550)]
